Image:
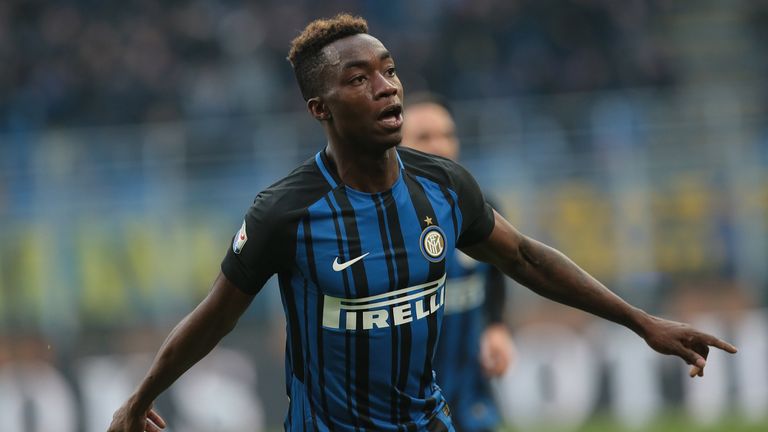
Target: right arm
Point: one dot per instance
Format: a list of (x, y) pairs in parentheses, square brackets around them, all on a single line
[(551, 274), (191, 340)]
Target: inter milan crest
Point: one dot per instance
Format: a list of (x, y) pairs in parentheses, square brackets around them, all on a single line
[(432, 242), (240, 238)]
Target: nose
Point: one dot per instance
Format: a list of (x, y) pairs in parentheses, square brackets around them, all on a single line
[(384, 87)]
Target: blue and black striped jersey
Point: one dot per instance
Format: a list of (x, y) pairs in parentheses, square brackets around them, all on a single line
[(362, 279), (475, 298)]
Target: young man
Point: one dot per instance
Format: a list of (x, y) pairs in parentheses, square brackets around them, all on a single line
[(475, 343), (358, 237)]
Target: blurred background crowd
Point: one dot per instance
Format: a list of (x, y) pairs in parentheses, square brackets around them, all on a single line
[(91, 62), (133, 136)]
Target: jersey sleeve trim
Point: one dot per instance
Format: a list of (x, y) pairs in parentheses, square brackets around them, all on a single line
[(481, 228)]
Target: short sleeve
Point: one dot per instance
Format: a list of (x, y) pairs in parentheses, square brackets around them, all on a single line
[(251, 260), (477, 215)]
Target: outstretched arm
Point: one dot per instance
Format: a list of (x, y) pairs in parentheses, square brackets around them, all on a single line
[(551, 274), (191, 340)]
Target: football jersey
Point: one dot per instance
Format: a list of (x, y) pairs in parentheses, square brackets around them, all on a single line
[(472, 285), (362, 280)]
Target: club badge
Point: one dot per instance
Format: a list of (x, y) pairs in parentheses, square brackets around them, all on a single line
[(432, 242)]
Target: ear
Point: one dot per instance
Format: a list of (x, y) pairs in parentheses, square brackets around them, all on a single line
[(318, 109)]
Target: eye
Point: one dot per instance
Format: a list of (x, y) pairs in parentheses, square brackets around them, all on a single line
[(359, 79), (391, 71)]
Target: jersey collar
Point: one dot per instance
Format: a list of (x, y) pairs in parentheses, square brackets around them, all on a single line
[(325, 166)]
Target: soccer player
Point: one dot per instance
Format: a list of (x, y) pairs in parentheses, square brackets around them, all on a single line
[(358, 236), (475, 343)]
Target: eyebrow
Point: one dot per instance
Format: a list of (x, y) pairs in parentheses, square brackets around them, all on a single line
[(361, 63)]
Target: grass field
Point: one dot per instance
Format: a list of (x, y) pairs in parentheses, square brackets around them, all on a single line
[(673, 422)]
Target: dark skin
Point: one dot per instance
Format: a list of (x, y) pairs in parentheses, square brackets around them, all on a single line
[(191, 340), (361, 85), (551, 274)]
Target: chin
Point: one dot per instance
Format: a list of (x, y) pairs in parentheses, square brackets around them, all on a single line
[(388, 144), (393, 139), (382, 143)]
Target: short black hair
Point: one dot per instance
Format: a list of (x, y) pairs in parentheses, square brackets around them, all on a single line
[(306, 54), (421, 98)]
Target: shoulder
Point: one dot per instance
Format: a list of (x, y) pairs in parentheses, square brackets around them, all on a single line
[(439, 169), (291, 195)]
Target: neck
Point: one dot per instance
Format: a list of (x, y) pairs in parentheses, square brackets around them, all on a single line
[(365, 172)]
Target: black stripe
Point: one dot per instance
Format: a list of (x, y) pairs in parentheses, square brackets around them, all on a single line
[(455, 221), (347, 339), (388, 256), (330, 166), (454, 206), (308, 352), (402, 332), (424, 212), (294, 332), (318, 321), (307, 349), (362, 341)]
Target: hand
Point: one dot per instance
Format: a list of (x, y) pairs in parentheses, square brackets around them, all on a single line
[(674, 338), (496, 350), (128, 419)]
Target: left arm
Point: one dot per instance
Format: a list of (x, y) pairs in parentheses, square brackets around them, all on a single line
[(551, 274)]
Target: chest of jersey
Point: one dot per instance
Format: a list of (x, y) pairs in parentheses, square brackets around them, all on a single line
[(378, 260)]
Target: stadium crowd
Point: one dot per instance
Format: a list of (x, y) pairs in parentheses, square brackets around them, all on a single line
[(87, 62)]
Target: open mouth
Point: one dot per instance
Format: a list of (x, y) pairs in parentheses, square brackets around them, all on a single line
[(391, 117)]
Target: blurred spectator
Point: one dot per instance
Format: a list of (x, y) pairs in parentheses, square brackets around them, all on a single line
[(84, 62)]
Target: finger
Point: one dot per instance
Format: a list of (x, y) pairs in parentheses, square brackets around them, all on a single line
[(696, 371), (156, 419), (151, 427), (702, 349), (692, 357), (718, 343)]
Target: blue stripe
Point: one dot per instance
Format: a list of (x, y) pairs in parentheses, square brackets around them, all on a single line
[(399, 161), (443, 207), (418, 266), (379, 360), (394, 362), (309, 346), (350, 292), (324, 170)]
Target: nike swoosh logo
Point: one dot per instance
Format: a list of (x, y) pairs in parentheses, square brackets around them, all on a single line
[(341, 266)]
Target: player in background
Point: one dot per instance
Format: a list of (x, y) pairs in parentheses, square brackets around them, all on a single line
[(475, 344), (358, 236)]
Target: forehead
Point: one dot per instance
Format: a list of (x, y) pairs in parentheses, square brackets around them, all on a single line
[(428, 116), (359, 47)]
